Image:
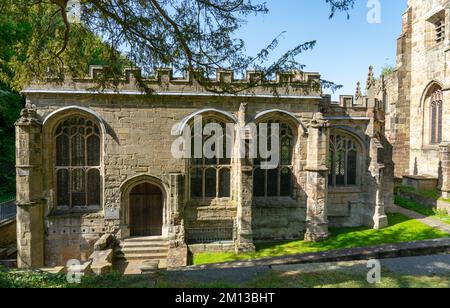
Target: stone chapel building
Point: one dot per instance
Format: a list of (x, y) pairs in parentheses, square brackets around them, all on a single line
[(91, 163)]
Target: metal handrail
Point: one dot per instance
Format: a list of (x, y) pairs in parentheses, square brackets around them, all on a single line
[(8, 210), (209, 235)]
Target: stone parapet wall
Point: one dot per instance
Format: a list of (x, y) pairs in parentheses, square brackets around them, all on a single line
[(283, 221), (163, 82)]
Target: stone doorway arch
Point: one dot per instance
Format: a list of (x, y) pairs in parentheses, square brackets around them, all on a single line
[(144, 206), (146, 210)]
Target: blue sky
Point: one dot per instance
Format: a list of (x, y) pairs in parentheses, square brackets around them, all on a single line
[(345, 48)]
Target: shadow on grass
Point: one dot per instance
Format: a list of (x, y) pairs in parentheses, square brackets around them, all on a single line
[(401, 229), (338, 279)]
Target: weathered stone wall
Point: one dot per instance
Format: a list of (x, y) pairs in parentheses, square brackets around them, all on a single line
[(278, 220), (72, 237), (399, 94), (134, 125), (428, 64), (345, 207), (421, 62)]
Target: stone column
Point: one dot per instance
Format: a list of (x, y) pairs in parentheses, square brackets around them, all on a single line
[(317, 180), (30, 204), (178, 250), (376, 169), (244, 236), (444, 175)]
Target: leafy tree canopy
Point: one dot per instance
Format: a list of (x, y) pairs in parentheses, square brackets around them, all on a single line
[(197, 36)]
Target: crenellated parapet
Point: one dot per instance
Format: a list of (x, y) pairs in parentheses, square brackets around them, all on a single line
[(133, 81), (369, 102), (166, 75)]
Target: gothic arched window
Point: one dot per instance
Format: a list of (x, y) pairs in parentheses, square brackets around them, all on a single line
[(436, 117), (342, 161), (277, 182), (77, 163), (210, 177)]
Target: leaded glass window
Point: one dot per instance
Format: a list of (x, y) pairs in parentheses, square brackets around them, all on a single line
[(210, 177), (436, 117), (277, 182), (77, 163), (342, 161)]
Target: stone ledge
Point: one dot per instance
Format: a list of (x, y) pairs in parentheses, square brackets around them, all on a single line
[(409, 249), (213, 247)]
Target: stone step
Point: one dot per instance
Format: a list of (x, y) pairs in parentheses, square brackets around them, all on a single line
[(142, 256), (145, 244), (133, 267), (146, 239), (137, 250)]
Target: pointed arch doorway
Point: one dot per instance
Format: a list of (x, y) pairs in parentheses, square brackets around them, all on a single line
[(146, 210)]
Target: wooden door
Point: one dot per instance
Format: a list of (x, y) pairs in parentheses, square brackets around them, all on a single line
[(146, 210)]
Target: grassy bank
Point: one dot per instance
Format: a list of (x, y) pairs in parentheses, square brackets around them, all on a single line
[(422, 209), (401, 229)]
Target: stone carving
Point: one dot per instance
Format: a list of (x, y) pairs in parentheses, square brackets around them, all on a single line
[(370, 78)]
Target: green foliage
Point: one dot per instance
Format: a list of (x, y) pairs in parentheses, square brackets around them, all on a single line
[(401, 229), (24, 52), (10, 106), (193, 35), (38, 279), (30, 279), (387, 70)]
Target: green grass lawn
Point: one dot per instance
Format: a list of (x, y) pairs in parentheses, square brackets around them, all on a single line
[(401, 229), (422, 209), (345, 280), (29, 279)]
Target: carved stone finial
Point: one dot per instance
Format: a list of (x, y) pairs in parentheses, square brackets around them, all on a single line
[(358, 93), (242, 114), (319, 121), (243, 107), (28, 104), (28, 115), (370, 78)]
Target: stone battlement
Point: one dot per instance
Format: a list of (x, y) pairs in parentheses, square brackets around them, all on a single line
[(291, 83)]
